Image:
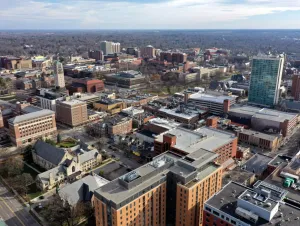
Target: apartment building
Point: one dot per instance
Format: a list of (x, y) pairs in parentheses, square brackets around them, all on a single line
[(261, 205), (148, 52), (170, 190), (71, 112), (25, 129), (184, 142), (296, 87)]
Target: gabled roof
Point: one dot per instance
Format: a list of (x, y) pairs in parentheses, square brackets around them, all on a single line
[(87, 156), (48, 152)]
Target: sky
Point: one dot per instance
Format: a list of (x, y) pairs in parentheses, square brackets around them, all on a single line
[(150, 14)]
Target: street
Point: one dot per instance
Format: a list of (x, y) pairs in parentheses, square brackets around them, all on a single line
[(12, 211)]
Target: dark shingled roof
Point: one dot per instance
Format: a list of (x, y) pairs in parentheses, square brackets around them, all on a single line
[(48, 152)]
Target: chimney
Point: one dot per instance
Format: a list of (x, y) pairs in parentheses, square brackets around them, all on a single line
[(169, 139), (186, 97), (226, 105), (51, 179)]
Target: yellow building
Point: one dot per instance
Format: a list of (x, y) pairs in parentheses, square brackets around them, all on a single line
[(109, 105)]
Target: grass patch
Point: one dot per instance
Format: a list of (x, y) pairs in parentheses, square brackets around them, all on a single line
[(67, 144), (33, 192), (7, 97)]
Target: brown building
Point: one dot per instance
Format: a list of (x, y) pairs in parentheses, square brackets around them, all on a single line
[(296, 87), (25, 129), (178, 58), (71, 112), (12, 63), (184, 141), (148, 52), (86, 85), (96, 54), (170, 190), (111, 106)]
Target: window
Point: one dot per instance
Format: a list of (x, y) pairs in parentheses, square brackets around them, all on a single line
[(216, 213)]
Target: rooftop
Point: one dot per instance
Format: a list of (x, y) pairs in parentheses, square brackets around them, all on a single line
[(259, 134), (187, 113), (72, 102), (168, 124), (211, 98), (31, 116), (257, 164), (128, 186), (237, 200), (204, 138), (263, 113)]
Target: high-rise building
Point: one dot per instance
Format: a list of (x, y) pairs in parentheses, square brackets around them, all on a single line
[(265, 80), (110, 47), (96, 54), (170, 190), (173, 57), (71, 112), (59, 74), (261, 205), (148, 52), (296, 87)]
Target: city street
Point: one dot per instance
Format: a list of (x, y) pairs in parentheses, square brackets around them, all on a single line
[(12, 211)]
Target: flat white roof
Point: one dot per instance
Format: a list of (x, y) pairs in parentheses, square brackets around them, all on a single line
[(189, 114), (29, 116), (211, 98)]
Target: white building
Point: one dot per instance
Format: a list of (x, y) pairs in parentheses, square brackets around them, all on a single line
[(110, 47), (59, 74)]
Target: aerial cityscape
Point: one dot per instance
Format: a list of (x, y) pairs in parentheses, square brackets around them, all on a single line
[(141, 114)]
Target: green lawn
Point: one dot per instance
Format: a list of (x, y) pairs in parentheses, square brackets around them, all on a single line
[(66, 144), (33, 192)]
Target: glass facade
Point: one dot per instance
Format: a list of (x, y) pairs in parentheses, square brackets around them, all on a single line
[(265, 81)]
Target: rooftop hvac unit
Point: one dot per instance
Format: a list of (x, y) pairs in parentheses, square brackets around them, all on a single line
[(131, 176), (246, 214)]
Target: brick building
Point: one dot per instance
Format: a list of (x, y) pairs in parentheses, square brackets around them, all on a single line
[(86, 85), (183, 141), (296, 87), (170, 190), (96, 54), (12, 63), (25, 129), (173, 57), (71, 112)]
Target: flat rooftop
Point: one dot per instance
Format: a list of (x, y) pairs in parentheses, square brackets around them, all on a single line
[(167, 124), (226, 200), (72, 102), (263, 113), (259, 134), (257, 164), (204, 138), (127, 187), (31, 116), (188, 114), (212, 98)]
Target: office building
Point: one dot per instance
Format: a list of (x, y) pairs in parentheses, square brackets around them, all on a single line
[(71, 112), (126, 79), (263, 119), (184, 142), (148, 52), (14, 63), (170, 190), (110, 106), (261, 205), (265, 80), (96, 54), (25, 129), (47, 98), (59, 74), (296, 87), (110, 47), (173, 57), (216, 104)]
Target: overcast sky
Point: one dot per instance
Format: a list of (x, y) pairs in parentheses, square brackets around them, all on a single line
[(150, 14)]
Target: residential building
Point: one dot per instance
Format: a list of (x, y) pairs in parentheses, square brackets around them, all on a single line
[(59, 75), (265, 80), (86, 85), (126, 79), (82, 191), (117, 125), (261, 205), (263, 119), (216, 104), (296, 87), (110, 47), (110, 106), (25, 129), (170, 190), (148, 52), (184, 142), (48, 156), (96, 54), (173, 57), (71, 112)]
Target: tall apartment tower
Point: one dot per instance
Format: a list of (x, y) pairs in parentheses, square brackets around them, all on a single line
[(110, 47), (148, 52), (170, 190), (265, 80), (296, 87), (96, 54), (59, 74)]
